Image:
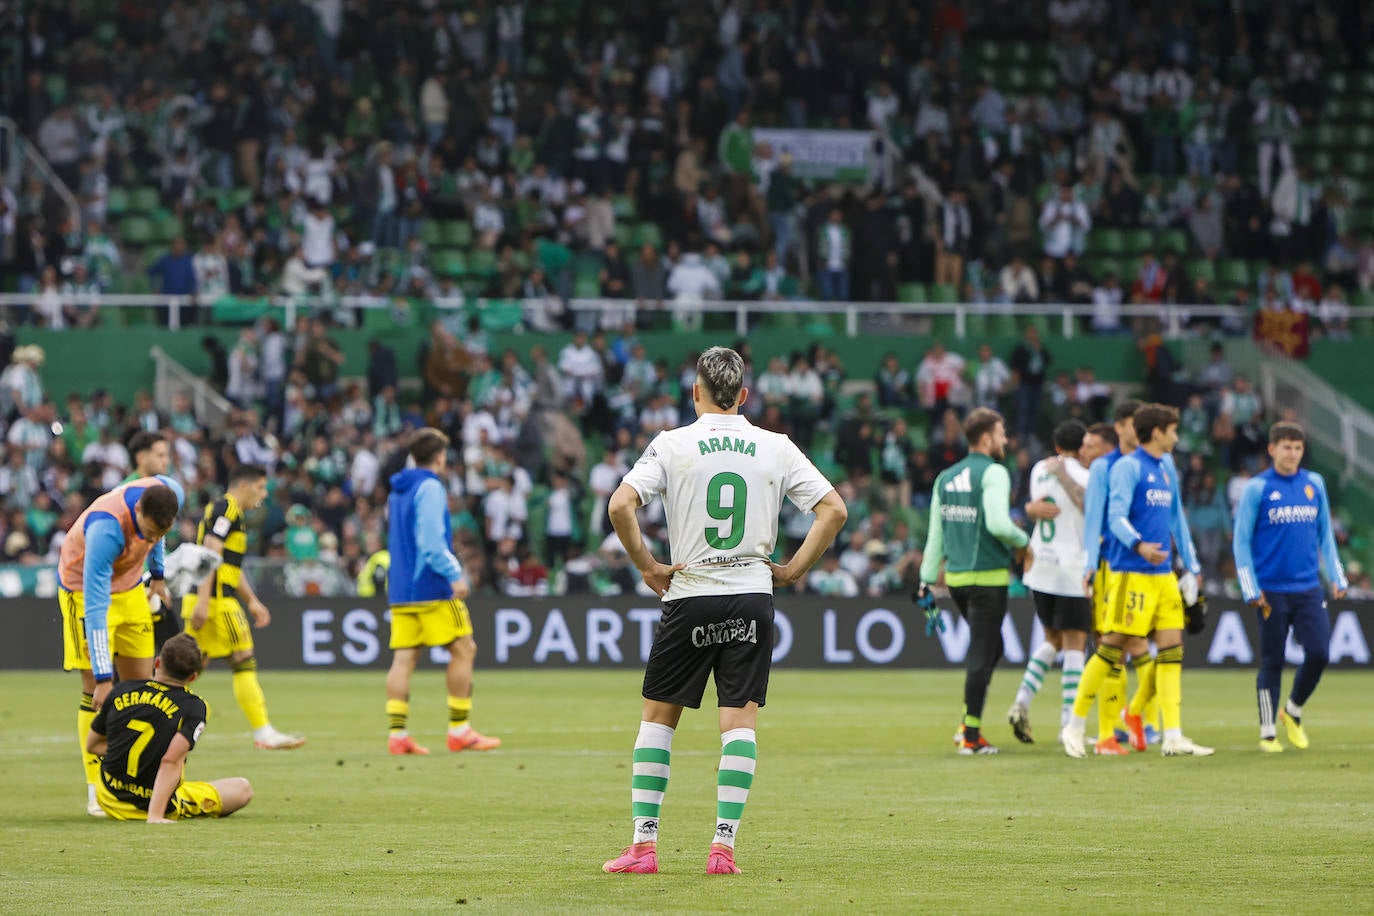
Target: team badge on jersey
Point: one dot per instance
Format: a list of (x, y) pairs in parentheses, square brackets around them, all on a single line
[(1310, 492)]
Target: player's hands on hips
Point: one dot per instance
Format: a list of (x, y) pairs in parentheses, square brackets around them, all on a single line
[(460, 590), (101, 693), (782, 576), (1151, 552), (659, 576), (200, 614), (261, 616), (158, 589)]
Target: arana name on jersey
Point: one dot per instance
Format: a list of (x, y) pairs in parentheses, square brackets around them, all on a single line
[(726, 444)]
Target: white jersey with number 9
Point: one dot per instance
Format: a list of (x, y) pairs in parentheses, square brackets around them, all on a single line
[(722, 480)]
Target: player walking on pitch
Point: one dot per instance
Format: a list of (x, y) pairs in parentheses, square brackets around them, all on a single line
[(106, 620), (722, 481), (1056, 490), (213, 614), (972, 533), (143, 736), (426, 590), (1282, 539), (1144, 513)]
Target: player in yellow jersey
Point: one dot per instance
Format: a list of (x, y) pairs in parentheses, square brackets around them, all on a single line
[(142, 736), (214, 615)]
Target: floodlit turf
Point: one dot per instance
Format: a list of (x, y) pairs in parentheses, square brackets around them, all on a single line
[(860, 804)]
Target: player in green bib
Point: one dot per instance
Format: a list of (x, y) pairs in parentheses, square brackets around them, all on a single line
[(972, 533)]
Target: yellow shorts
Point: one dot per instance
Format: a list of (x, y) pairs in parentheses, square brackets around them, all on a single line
[(1102, 588), (129, 620), (226, 629), (434, 623), (191, 799), (1144, 602)]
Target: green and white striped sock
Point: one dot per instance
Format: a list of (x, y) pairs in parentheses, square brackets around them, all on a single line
[(738, 755), (1073, 673), (653, 751), (1034, 678)]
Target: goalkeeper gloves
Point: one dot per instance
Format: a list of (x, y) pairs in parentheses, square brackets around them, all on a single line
[(925, 600), (1195, 616)]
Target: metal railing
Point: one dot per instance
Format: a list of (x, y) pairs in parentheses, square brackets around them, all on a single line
[(17, 153), (172, 378), (1173, 319), (1333, 422)]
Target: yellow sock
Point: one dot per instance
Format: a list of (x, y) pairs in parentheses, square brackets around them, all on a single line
[(1110, 701), (1097, 670), (85, 715), (459, 709), (248, 692), (397, 712), (1169, 683), (1143, 702)]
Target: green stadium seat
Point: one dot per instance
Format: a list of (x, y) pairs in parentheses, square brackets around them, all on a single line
[(1004, 325), (911, 292), (1337, 83), (1023, 52), (1014, 80), (943, 293), (976, 325), (1327, 135), (1138, 240), (1357, 163), (1232, 272), (166, 226), (481, 263), (650, 234), (1363, 110), (1361, 136), (1336, 110), (1106, 242), (624, 207), (144, 200), (586, 288), (117, 204), (431, 233), (500, 315), (1320, 161), (1202, 268), (457, 234), (136, 230), (448, 263), (1175, 240), (942, 327), (1045, 79), (625, 236)]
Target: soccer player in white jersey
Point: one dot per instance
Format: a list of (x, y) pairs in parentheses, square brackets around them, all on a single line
[(1057, 485), (722, 481)]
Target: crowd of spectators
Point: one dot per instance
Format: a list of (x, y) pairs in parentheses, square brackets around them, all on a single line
[(541, 440), (357, 128)]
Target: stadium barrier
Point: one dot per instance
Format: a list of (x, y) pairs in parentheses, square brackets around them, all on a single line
[(586, 631), (968, 319)]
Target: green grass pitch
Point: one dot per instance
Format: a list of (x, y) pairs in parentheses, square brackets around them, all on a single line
[(860, 804)]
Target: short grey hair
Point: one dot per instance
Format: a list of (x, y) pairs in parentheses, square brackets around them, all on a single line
[(721, 371)]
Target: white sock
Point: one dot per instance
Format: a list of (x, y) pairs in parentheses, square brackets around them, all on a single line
[(1294, 710), (1039, 663), (90, 795), (265, 732), (738, 759), (1072, 674), (1172, 733), (653, 750), (1266, 711)]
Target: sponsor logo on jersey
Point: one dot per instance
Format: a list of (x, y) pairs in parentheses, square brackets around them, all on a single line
[(1158, 498), (735, 629), (1289, 515), (966, 514)]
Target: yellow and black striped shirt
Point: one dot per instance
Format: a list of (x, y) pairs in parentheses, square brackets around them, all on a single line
[(224, 519)]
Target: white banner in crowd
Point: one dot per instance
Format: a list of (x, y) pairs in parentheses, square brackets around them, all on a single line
[(824, 155)]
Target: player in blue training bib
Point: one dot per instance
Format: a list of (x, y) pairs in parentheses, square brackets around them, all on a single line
[(1282, 540)]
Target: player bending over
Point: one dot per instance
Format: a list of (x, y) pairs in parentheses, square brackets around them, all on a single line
[(1282, 540), (722, 481), (143, 735), (107, 625)]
